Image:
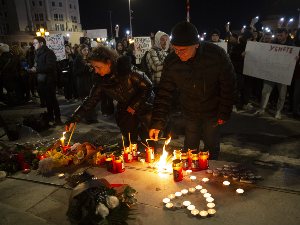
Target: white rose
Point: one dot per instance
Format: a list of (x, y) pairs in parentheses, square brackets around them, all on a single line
[(112, 202), (75, 160), (80, 154), (102, 210)]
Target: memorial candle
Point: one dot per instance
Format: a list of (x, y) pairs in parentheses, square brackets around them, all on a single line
[(210, 205), (203, 213), (195, 212)]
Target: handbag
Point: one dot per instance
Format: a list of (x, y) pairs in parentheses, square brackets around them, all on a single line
[(42, 78)]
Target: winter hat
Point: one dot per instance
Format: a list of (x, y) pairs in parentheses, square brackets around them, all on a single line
[(184, 34), (94, 44), (4, 47), (215, 31), (247, 34), (157, 44), (235, 35)]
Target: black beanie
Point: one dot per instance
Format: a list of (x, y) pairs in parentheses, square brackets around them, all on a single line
[(247, 34), (235, 35), (215, 31), (184, 34)]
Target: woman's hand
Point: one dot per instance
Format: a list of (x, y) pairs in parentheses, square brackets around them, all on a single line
[(129, 109), (153, 134), (68, 128)]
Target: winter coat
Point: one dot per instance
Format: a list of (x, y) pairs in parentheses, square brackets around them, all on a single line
[(207, 83), (236, 56), (11, 73), (46, 63), (66, 66), (127, 87), (84, 77)]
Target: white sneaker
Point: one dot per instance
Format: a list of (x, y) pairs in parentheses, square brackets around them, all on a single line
[(259, 112), (278, 115), (234, 109), (248, 106)]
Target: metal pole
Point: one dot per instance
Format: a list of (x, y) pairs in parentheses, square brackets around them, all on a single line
[(188, 11), (112, 36), (299, 19), (130, 19)]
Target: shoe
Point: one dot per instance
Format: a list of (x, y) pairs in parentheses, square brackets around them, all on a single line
[(278, 115), (248, 106), (234, 109), (57, 121), (259, 112)]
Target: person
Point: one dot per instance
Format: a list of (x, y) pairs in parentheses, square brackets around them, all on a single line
[(232, 38), (215, 36), (120, 49), (76, 50), (296, 96), (157, 55), (32, 77), (282, 39), (10, 74), (45, 70), (206, 79), (133, 91), (244, 82)]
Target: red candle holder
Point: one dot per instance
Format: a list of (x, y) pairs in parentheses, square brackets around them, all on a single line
[(195, 162), (149, 154), (65, 148), (204, 160), (185, 161), (177, 170), (134, 148), (128, 155), (110, 163), (120, 165)]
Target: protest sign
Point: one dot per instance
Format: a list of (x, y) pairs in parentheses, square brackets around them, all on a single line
[(55, 42), (98, 33), (141, 45), (270, 62), (222, 45)]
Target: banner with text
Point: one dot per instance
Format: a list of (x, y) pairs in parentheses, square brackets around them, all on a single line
[(222, 45), (270, 62), (98, 33), (141, 45), (56, 43)]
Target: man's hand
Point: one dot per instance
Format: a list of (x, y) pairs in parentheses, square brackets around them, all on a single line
[(243, 54), (68, 128), (227, 27), (221, 122), (153, 134), (131, 110), (33, 70)]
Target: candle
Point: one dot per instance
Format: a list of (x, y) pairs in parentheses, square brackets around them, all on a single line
[(188, 172), (192, 190), (239, 191), (178, 194), (120, 166), (195, 212), (226, 183), (171, 196), (142, 161), (26, 170), (215, 173), (207, 195), (210, 205), (62, 140), (203, 191), (203, 213), (184, 191), (211, 212), (227, 166), (191, 207), (186, 203), (178, 205), (209, 199), (226, 175), (209, 171), (193, 178), (257, 177), (166, 200), (235, 177), (61, 175), (198, 187), (205, 180), (169, 205)]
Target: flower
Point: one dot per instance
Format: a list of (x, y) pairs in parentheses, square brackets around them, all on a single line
[(102, 210), (46, 165), (80, 154), (75, 146), (75, 160), (35, 152), (112, 202)]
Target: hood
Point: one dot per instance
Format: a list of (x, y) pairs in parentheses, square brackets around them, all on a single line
[(158, 35)]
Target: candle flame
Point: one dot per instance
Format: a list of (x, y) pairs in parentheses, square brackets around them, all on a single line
[(163, 164)]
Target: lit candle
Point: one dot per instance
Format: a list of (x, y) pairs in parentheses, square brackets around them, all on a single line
[(239, 191), (203, 191), (186, 203), (226, 183), (195, 212), (207, 195), (226, 166), (220, 169), (191, 207), (193, 178), (209, 171), (188, 172), (26, 170), (198, 187), (169, 205), (211, 212), (203, 213), (62, 142), (226, 175), (235, 177), (192, 190), (184, 191), (178, 194), (205, 180), (209, 199), (210, 205), (215, 173), (171, 196), (61, 175), (142, 161), (166, 200)]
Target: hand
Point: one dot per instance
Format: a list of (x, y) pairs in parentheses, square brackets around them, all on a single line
[(297, 58), (279, 24), (243, 30), (68, 128), (129, 109), (33, 70), (227, 27), (221, 122), (243, 54), (153, 134)]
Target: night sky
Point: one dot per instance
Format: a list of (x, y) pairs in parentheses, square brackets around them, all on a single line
[(154, 15)]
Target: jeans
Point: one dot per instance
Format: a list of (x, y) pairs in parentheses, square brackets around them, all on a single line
[(211, 135), (244, 85), (47, 92), (268, 86), (296, 96)]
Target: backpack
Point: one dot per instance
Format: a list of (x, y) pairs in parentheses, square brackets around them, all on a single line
[(144, 65)]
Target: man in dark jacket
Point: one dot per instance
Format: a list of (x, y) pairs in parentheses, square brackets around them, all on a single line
[(45, 70), (206, 79)]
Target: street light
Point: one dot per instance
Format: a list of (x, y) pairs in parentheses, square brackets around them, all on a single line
[(42, 32)]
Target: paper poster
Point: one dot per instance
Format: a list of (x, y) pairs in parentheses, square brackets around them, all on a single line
[(98, 33), (56, 43), (270, 62), (222, 45), (141, 45)]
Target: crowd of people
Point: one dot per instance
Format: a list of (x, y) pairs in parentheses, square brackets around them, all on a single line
[(186, 72)]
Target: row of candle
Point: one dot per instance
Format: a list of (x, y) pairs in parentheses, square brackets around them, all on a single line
[(193, 161)]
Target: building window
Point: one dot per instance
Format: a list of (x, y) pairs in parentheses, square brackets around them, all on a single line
[(62, 27), (74, 7), (74, 19), (74, 28), (41, 17), (40, 3), (55, 17), (36, 17), (60, 4), (57, 27), (33, 3), (70, 6), (53, 4), (42, 25), (38, 26), (60, 16)]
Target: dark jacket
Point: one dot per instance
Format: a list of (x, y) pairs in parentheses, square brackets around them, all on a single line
[(297, 43), (127, 87), (66, 66), (236, 56), (84, 77), (46, 63), (207, 83), (11, 73)]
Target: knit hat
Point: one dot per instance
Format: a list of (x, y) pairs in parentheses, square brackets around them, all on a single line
[(247, 34), (184, 34), (235, 35), (215, 31), (4, 47)]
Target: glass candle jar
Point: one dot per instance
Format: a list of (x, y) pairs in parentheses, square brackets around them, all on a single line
[(177, 154), (110, 164), (150, 154), (120, 165), (195, 162), (203, 160), (134, 148), (185, 161), (177, 170), (128, 155)]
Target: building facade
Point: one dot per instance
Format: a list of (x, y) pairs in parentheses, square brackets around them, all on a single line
[(21, 19)]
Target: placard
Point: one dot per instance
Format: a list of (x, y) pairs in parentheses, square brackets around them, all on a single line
[(55, 42), (98, 33), (141, 45), (270, 61), (222, 44)]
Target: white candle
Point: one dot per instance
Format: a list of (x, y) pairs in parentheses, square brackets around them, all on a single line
[(226, 183), (207, 195), (169, 205), (210, 205), (142, 161), (166, 200), (188, 172), (209, 199), (62, 141), (195, 212), (186, 203), (192, 190), (193, 178), (178, 194), (191, 207), (203, 191), (198, 187), (239, 191), (61, 175), (205, 180), (211, 211), (203, 213), (171, 196), (184, 191)]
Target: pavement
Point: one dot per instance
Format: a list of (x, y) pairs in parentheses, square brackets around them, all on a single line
[(264, 145)]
